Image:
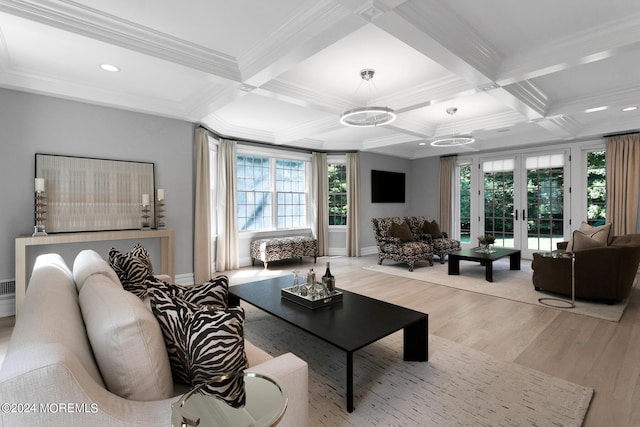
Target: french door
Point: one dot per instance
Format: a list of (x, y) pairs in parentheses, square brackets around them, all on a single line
[(523, 199)]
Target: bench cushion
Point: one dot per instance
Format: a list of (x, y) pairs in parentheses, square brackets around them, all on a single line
[(280, 248)]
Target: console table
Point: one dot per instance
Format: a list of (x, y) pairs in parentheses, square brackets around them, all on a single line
[(23, 242)]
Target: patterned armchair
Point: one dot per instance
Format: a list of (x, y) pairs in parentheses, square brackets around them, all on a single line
[(390, 247), (441, 243)]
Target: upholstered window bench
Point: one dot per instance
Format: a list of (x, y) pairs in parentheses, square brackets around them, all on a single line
[(280, 248)]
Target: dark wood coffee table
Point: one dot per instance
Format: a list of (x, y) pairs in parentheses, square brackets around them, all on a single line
[(484, 259), (350, 325)]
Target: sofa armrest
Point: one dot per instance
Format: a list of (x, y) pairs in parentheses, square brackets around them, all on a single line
[(63, 394), (293, 374)]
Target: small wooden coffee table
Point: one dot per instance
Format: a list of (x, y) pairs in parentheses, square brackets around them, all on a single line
[(485, 259)]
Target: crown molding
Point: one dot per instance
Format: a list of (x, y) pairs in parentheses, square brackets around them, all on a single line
[(386, 141), (316, 127), (488, 122), (215, 123), (304, 96), (47, 85), (619, 97), (561, 126), (582, 48), (428, 93), (524, 97), (85, 21)]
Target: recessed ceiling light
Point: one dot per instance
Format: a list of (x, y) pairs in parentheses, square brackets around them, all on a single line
[(593, 110), (629, 108), (422, 143), (109, 67)]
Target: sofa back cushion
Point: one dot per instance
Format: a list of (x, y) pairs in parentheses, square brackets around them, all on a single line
[(126, 340), (89, 262), (51, 315)]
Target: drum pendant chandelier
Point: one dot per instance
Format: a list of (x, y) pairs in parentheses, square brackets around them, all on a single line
[(367, 116)]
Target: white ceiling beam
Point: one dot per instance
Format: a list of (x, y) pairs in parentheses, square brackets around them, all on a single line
[(318, 25), (595, 44)]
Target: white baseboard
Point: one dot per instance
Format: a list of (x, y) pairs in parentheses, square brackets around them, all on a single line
[(370, 250), (8, 305)]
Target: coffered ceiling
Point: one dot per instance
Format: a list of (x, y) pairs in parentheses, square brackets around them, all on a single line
[(282, 71)]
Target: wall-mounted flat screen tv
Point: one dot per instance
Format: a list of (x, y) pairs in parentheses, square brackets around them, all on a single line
[(387, 187)]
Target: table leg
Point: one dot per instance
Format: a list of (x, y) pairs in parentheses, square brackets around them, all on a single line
[(416, 341), (350, 407), (514, 261), (488, 272), (454, 265)]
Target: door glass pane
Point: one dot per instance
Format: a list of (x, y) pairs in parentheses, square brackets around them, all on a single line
[(465, 203), (596, 188), (498, 201), (545, 202)]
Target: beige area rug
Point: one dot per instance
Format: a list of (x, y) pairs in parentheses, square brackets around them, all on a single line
[(458, 386), (515, 285)]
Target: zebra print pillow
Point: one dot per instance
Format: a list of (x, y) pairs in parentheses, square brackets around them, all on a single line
[(132, 268), (214, 293), (203, 343)]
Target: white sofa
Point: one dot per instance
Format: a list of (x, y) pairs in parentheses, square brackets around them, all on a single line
[(50, 359)]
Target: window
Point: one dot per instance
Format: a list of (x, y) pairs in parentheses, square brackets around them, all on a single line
[(270, 188), (596, 187), (337, 173), (290, 190)]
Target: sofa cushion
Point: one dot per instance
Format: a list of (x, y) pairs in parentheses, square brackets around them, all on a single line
[(432, 228), (133, 268), (202, 343), (599, 234), (214, 293), (401, 231), (582, 241), (89, 262), (126, 341)]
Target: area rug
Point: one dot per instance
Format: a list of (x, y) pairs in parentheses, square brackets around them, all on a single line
[(515, 285), (458, 386)]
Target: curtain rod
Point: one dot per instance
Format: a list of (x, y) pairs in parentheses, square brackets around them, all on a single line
[(274, 146)]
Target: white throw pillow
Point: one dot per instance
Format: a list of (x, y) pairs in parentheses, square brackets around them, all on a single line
[(126, 340)]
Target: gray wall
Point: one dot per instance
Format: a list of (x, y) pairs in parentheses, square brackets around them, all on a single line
[(368, 210), (32, 124), (425, 175)]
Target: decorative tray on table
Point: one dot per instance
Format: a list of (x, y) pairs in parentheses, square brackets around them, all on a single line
[(310, 302)]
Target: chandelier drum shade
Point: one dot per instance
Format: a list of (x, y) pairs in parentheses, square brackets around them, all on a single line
[(367, 116), (453, 140)]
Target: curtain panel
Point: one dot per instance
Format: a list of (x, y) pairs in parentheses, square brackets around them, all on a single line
[(202, 259), (623, 182), (353, 204), (320, 201), (447, 170), (227, 257)]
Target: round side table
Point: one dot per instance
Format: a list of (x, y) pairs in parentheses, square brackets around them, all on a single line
[(265, 404)]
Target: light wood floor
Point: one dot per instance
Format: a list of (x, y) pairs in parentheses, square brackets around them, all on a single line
[(587, 351)]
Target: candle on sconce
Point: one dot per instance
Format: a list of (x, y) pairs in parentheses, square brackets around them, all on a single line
[(145, 199), (39, 185), (160, 194)]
